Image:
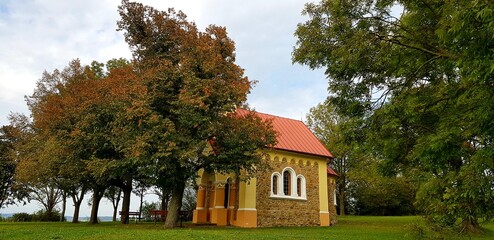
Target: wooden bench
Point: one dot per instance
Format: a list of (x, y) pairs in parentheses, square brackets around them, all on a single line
[(182, 215), (135, 215), (156, 213)]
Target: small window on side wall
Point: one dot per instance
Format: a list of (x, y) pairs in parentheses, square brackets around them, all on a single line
[(299, 187), (274, 184), (287, 183)]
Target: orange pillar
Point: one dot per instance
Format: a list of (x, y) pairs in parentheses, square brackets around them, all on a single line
[(210, 205), (219, 212), (231, 203), (200, 214)]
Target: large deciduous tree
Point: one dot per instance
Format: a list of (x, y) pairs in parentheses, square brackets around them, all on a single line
[(429, 64), (7, 167), (76, 108), (337, 133), (192, 83), (11, 135)]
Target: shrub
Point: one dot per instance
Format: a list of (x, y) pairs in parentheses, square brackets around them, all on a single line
[(22, 217), (44, 216)]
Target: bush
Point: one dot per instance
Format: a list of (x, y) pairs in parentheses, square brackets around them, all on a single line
[(22, 217), (44, 216)]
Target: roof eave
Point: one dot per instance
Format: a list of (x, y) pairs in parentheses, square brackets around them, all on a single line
[(306, 153)]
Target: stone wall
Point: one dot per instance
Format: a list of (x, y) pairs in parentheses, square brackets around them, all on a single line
[(331, 204), (288, 212)]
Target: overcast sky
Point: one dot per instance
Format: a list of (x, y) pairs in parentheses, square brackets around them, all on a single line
[(38, 35)]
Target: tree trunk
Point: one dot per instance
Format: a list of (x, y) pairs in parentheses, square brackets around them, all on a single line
[(341, 200), (77, 204), (164, 201), (114, 217), (124, 218), (64, 204), (115, 209), (77, 207), (175, 205), (115, 205), (140, 204), (97, 195), (165, 198), (470, 226)]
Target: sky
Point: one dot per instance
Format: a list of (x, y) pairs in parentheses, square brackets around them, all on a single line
[(39, 35)]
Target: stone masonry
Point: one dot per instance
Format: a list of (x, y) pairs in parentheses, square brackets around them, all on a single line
[(331, 204), (288, 212)]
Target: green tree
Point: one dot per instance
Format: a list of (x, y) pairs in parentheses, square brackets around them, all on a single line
[(10, 189), (113, 194), (7, 167), (35, 154), (191, 82), (375, 194), (423, 77), (337, 132)]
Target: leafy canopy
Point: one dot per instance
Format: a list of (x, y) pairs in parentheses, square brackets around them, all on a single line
[(421, 73)]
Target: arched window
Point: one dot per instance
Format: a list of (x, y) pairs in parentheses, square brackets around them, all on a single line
[(299, 187), (287, 183), (274, 184), (334, 197)]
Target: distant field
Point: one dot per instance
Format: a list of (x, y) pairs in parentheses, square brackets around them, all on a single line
[(348, 228)]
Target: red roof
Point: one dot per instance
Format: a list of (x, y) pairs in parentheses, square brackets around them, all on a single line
[(332, 172), (293, 135)]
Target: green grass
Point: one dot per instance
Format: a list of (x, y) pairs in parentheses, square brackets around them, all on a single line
[(349, 227)]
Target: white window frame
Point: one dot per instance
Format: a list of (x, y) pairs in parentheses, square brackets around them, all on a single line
[(278, 183), (293, 185)]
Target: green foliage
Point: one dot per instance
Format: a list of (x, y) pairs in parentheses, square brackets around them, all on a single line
[(39, 216), (342, 136), (22, 217), (375, 194), (189, 200), (422, 77), (45, 216), (8, 191), (146, 206)]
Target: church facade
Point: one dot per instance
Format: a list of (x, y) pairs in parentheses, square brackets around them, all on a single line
[(297, 190)]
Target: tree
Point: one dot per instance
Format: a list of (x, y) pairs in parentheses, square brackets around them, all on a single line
[(375, 194), (337, 132), (34, 172), (140, 190), (77, 107), (10, 190), (114, 194), (7, 167), (423, 79), (192, 83)]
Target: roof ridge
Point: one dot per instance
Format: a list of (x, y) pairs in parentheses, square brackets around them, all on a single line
[(276, 116)]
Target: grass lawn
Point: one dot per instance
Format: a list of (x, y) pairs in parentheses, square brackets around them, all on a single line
[(348, 228)]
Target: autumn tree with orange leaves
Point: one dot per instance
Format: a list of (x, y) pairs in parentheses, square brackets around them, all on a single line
[(151, 118), (76, 109), (192, 82)]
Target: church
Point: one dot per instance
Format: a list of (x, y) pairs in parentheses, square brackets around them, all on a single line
[(298, 189)]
